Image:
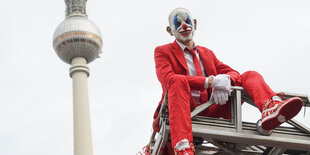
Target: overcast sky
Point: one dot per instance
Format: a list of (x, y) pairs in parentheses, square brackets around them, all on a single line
[(269, 36)]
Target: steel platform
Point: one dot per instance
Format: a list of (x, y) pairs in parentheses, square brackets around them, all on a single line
[(221, 136)]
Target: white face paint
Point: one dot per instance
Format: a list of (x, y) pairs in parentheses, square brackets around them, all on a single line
[(181, 24)]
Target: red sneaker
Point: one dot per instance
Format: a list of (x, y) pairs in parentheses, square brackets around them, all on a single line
[(145, 151), (188, 151), (277, 112)]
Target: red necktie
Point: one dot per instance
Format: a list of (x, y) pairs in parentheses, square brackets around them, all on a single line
[(204, 93)]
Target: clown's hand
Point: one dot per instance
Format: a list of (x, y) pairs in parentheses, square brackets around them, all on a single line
[(219, 96), (222, 81)]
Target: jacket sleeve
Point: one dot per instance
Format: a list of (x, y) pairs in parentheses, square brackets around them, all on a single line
[(222, 68), (165, 72)]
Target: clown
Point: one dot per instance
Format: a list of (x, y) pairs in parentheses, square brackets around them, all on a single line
[(192, 75)]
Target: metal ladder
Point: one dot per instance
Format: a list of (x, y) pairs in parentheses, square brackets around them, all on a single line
[(221, 136)]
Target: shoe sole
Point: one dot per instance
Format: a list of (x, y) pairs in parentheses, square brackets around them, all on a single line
[(287, 111)]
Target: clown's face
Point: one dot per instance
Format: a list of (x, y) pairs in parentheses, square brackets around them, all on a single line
[(182, 24)]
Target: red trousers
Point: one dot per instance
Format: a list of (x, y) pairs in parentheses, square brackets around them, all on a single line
[(180, 103)]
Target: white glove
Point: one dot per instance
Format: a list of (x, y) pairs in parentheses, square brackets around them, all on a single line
[(219, 96), (222, 81)]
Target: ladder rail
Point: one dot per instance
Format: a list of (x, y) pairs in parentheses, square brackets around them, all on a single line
[(162, 136)]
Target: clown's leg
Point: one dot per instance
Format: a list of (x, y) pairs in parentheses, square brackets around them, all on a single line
[(274, 110), (179, 99)]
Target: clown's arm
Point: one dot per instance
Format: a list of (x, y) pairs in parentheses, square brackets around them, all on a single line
[(222, 68)]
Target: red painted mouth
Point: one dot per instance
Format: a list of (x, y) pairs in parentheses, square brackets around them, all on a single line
[(185, 33)]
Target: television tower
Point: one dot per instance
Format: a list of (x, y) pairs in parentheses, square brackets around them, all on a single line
[(77, 41)]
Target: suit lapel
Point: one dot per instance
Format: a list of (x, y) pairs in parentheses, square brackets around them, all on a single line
[(207, 64), (177, 51)]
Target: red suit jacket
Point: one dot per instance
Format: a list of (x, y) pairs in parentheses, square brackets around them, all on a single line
[(170, 61)]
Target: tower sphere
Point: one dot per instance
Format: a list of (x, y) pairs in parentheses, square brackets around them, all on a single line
[(77, 36)]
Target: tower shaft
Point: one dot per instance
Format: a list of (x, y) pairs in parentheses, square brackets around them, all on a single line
[(82, 128), (77, 41)]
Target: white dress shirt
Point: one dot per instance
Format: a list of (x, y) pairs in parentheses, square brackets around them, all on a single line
[(192, 70)]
